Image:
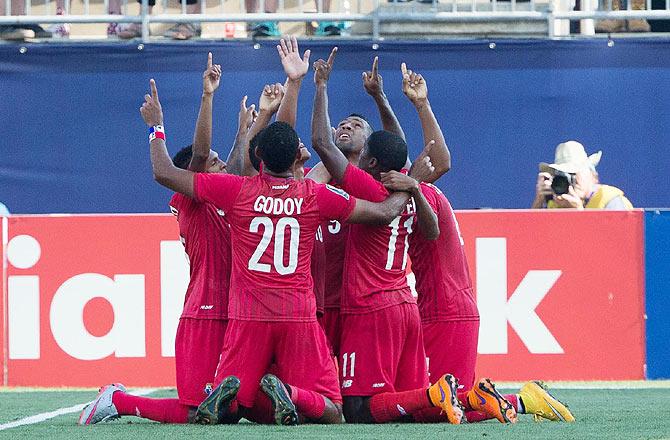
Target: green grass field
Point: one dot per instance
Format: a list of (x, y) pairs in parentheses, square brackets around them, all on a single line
[(638, 413)]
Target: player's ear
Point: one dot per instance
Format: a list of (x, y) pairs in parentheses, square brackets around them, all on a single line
[(372, 164), (257, 153)]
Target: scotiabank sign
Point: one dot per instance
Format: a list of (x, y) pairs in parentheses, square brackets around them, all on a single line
[(94, 299)]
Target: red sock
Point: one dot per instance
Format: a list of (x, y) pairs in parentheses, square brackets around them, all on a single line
[(514, 400), (386, 407), (430, 415), (308, 403), (463, 398), (159, 410)]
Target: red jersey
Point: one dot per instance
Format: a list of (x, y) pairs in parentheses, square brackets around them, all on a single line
[(273, 225), (440, 267), (334, 241), (376, 256), (205, 235)]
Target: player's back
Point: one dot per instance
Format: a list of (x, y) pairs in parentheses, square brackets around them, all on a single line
[(376, 256), (273, 223), (440, 266), (206, 238)]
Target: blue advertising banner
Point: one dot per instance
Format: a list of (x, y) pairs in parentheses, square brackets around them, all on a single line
[(73, 140)]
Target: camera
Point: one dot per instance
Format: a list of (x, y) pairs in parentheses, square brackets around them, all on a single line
[(561, 182)]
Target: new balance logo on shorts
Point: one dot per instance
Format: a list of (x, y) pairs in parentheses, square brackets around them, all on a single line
[(347, 383)]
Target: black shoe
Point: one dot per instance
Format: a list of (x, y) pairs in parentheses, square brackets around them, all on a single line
[(285, 412), (214, 409)]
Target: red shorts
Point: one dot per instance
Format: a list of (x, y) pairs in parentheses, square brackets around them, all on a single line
[(196, 355), (382, 351), (298, 352), (330, 321), (451, 347)]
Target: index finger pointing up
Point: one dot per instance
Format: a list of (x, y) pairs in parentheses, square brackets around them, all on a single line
[(375, 65), (209, 60), (403, 69), (154, 90), (331, 57)]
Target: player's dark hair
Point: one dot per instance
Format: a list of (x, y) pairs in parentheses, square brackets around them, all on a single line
[(278, 145), (255, 161), (389, 149), (183, 157), (359, 116)]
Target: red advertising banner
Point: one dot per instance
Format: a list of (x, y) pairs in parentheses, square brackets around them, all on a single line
[(560, 294), (95, 299)]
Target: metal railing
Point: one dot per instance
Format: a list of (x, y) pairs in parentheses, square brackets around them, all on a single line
[(556, 13)]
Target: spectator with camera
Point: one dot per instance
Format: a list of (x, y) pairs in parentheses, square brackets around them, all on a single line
[(572, 182)]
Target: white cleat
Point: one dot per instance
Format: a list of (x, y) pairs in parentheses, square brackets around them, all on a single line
[(101, 409)]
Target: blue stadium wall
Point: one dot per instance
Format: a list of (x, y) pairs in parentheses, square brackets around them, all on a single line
[(73, 140)]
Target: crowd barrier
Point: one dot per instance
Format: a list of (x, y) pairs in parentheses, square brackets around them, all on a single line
[(89, 299)]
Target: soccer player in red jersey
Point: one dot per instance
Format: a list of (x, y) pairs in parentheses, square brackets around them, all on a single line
[(446, 300), (349, 137), (272, 317), (206, 238), (383, 368)]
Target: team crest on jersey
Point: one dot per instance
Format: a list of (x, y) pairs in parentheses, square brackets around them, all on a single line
[(220, 212), (174, 211), (338, 191)]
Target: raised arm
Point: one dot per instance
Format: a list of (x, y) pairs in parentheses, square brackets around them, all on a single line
[(202, 139), (322, 136), (295, 68), (164, 171), (245, 118), (415, 88), (268, 105), (374, 85)]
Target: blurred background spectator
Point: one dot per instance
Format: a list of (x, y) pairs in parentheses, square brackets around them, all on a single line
[(23, 31), (572, 182)]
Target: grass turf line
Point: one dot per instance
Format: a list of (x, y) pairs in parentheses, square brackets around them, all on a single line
[(626, 414)]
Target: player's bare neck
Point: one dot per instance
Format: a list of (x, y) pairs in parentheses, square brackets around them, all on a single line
[(353, 157), (288, 174)]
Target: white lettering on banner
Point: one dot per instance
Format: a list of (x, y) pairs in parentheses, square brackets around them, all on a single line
[(23, 299), (126, 295), (174, 281), (23, 306), (519, 310)]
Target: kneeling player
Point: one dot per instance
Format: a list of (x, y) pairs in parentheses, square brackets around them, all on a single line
[(206, 238)]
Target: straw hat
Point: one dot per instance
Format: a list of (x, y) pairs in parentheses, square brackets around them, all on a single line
[(570, 158)]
